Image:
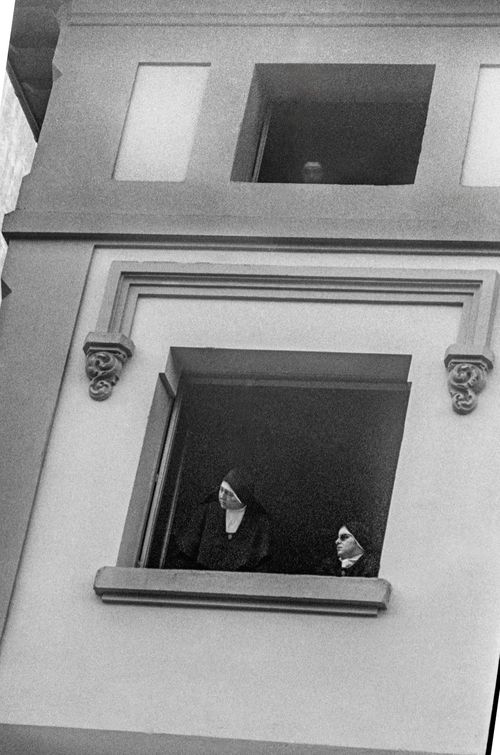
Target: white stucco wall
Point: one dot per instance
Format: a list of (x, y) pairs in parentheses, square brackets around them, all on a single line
[(418, 677)]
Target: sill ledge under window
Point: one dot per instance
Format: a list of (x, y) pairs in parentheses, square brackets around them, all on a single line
[(261, 591)]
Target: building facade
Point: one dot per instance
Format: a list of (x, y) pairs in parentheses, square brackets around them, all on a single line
[(266, 234)]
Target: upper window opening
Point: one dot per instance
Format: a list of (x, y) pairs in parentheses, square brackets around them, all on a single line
[(334, 124)]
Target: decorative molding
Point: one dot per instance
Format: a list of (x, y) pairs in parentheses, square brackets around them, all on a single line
[(467, 375), (356, 596), (104, 370), (169, 232), (281, 13), (475, 291), (463, 20), (106, 355), (465, 381)]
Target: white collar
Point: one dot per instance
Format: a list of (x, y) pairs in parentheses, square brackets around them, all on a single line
[(233, 519), (345, 563)]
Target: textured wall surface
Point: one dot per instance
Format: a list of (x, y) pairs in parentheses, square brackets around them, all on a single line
[(388, 682), (17, 148)]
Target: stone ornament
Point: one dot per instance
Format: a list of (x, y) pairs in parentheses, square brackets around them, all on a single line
[(104, 369), (467, 376), (106, 355), (465, 382)]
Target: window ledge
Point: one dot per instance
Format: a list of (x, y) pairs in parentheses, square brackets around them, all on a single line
[(279, 592)]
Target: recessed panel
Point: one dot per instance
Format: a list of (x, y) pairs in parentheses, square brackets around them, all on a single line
[(161, 121), (482, 157)]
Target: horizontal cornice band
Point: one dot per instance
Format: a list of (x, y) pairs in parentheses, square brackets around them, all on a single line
[(166, 18), (251, 243), (323, 233)]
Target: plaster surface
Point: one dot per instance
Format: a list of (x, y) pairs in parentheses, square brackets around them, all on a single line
[(37, 318), (431, 658)]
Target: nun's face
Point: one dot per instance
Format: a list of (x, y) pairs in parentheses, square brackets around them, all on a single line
[(228, 498), (347, 545)]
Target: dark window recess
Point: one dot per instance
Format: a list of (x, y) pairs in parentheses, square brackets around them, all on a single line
[(363, 124), (322, 455)]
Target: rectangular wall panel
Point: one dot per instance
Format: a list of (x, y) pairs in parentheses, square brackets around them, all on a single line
[(160, 125), (482, 157)]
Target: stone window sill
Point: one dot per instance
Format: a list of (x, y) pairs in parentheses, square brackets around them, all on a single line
[(273, 592)]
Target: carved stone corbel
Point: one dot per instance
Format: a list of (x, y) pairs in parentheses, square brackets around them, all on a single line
[(106, 355), (467, 376)]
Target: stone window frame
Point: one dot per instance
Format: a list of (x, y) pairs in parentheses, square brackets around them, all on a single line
[(284, 591), (468, 362)]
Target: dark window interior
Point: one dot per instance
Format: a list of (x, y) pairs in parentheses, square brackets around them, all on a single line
[(322, 453), (363, 123)]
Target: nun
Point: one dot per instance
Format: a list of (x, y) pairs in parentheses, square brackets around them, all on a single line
[(354, 551), (229, 530)]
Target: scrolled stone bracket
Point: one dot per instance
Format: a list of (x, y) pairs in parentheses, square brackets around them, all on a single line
[(467, 376), (106, 354)]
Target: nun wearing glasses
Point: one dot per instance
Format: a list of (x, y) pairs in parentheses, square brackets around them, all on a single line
[(354, 551), (355, 557), (229, 531)]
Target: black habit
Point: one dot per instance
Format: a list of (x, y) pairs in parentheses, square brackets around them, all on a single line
[(366, 566), (205, 544)]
